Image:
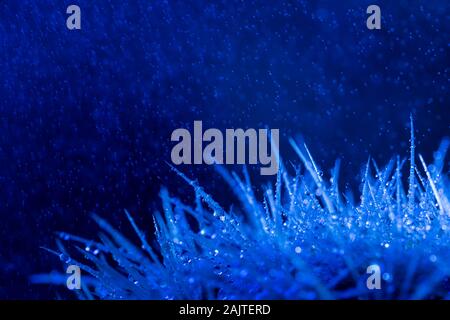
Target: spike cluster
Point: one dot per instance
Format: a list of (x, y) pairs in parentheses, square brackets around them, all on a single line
[(302, 239)]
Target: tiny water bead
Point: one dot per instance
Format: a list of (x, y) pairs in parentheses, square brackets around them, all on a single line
[(387, 277), (64, 258), (243, 273)]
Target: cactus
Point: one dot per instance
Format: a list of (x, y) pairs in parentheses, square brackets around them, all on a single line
[(301, 239)]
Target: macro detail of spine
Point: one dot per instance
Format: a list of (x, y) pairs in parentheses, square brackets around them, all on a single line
[(301, 239)]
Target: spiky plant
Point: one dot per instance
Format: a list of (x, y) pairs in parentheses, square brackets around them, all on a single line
[(304, 240)]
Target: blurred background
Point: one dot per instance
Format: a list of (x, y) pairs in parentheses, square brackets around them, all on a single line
[(86, 115)]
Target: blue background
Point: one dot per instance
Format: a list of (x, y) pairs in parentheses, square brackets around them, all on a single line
[(86, 116)]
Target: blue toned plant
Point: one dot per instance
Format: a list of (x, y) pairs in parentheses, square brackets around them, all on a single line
[(303, 239)]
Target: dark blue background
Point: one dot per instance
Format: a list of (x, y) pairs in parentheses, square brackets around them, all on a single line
[(86, 116)]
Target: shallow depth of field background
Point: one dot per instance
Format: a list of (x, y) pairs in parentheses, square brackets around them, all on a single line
[(86, 116)]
